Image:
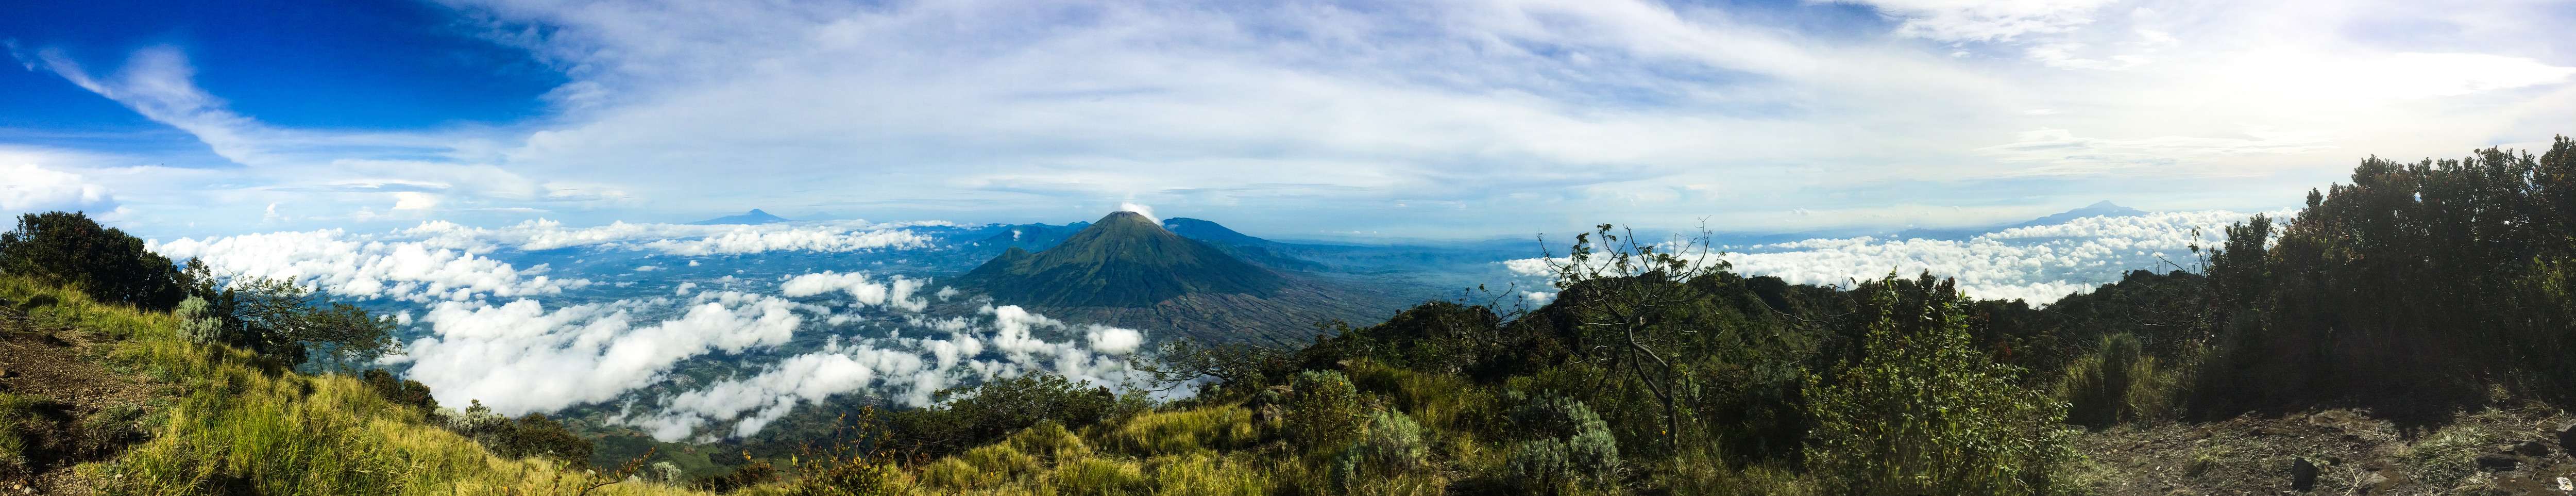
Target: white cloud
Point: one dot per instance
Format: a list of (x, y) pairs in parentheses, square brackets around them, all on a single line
[(673, 239), (33, 188), (519, 357), (355, 266), (897, 292), (999, 344), (1113, 340), (1985, 20), (1312, 117), (1146, 211), (414, 200)]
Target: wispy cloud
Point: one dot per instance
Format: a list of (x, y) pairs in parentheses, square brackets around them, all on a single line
[(1587, 110)]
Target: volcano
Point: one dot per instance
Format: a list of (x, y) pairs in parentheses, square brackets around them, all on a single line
[(1129, 271), (1124, 260)]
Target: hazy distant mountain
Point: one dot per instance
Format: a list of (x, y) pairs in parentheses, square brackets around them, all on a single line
[(1127, 271), (1259, 251), (755, 216), (1208, 231), (2098, 209)]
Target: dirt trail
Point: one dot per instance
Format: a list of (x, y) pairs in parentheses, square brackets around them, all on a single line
[(84, 411), (2512, 451)]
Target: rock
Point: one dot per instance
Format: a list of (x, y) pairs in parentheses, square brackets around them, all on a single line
[(2531, 449), (2567, 438), (2371, 483), (2303, 474), (2497, 462)]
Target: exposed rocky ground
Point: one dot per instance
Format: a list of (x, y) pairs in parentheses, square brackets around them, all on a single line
[(2497, 451)]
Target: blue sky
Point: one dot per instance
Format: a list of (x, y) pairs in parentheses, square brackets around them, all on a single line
[(1295, 119)]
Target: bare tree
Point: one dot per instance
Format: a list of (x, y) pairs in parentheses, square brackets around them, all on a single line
[(1617, 286)]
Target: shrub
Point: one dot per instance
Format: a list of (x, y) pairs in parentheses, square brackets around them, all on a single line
[(2117, 383), (198, 323), (528, 436), (1925, 412), (1323, 410), (1392, 444), (747, 475), (1571, 448), (972, 416), (109, 265), (404, 391), (536, 435)]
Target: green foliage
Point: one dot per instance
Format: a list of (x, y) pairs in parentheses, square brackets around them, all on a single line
[(283, 320), (1323, 411), (2117, 383), (1222, 428), (198, 322), (232, 423), (404, 391), (1567, 447), (18, 419), (2409, 290), (533, 435), (1923, 412), (746, 475), (970, 416), (107, 264), (110, 428), (1391, 444)]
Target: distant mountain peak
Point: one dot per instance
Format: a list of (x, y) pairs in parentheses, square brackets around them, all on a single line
[(755, 216), (1124, 260), (2102, 208), (1126, 216)]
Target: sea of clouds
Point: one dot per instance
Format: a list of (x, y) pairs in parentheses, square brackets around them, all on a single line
[(524, 339), (2038, 264), (489, 316)]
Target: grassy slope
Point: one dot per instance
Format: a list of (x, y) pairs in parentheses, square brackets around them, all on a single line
[(227, 424)]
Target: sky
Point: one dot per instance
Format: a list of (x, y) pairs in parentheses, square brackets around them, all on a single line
[(1296, 119)]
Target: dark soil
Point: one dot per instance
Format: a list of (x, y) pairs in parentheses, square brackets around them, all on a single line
[(84, 411)]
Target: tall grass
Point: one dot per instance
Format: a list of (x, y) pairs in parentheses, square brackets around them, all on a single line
[(2117, 382), (239, 424)]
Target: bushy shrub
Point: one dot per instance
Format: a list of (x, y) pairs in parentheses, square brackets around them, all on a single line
[(404, 391), (198, 322), (971, 416), (2116, 383), (747, 475), (1569, 447), (1323, 410), (1925, 412), (1391, 444), (528, 436), (68, 248)]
